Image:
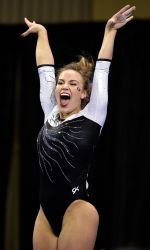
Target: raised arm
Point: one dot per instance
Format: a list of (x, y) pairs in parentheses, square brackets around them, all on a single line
[(45, 64), (97, 107), (43, 51), (117, 21)]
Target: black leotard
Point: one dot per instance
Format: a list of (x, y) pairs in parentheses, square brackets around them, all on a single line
[(65, 147)]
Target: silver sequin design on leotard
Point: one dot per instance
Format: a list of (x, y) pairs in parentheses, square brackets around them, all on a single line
[(66, 147), (60, 141)]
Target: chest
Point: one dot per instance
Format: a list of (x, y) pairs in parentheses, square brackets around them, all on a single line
[(74, 135), (67, 148)]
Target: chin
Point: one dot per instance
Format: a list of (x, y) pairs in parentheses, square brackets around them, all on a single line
[(67, 111), (64, 110)]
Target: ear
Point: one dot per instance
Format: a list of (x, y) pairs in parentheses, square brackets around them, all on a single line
[(84, 94)]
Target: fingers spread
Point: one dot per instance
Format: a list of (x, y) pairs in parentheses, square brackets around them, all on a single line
[(28, 23), (129, 18), (129, 12), (121, 11), (26, 33), (127, 9)]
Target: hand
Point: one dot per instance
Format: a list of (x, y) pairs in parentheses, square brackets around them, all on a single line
[(122, 17), (33, 27)]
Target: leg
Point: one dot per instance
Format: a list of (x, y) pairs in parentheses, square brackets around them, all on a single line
[(43, 236), (79, 228)]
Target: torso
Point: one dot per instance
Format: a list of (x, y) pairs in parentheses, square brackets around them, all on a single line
[(65, 151)]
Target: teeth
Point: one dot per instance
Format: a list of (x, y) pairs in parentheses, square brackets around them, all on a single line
[(65, 96)]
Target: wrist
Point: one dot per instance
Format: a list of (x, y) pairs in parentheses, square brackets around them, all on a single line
[(110, 32), (110, 26), (42, 31)]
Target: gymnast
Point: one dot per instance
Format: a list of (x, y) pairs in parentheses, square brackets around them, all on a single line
[(74, 115)]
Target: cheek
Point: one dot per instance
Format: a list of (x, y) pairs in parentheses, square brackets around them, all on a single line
[(56, 93), (78, 89), (56, 90), (79, 92)]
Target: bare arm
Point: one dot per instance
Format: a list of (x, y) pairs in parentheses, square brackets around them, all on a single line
[(43, 51), (117, 21)]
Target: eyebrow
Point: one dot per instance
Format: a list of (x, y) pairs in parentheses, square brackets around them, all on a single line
[(69, 81)]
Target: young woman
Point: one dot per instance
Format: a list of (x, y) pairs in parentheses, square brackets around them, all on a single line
[(67, 219)]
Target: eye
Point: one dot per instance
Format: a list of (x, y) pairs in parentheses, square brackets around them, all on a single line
[(73, 84), (59, 82)]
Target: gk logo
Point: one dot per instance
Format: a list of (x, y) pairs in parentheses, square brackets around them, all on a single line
[(75, 189)]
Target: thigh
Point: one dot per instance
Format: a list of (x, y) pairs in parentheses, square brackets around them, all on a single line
[(79, 227), (43, 236)]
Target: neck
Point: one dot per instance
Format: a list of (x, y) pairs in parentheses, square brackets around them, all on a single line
[(64, 116)]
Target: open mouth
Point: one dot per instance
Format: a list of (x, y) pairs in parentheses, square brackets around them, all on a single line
[(64, 96), (64, 99)]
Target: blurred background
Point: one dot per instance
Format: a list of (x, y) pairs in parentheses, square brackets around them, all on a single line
[(121, 168)]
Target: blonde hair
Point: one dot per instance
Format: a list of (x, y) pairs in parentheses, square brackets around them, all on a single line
[(84, 66)]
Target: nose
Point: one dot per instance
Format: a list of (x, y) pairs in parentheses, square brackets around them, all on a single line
[(65, 85)]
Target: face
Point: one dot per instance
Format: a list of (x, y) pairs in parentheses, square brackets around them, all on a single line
[(69, 92)]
